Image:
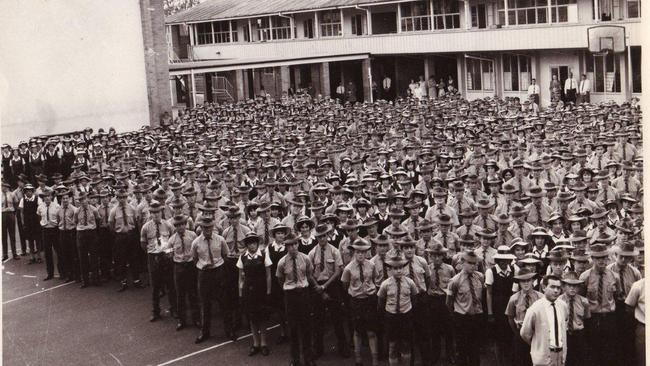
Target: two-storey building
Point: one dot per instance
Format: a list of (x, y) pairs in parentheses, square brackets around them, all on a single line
[(236, 49)]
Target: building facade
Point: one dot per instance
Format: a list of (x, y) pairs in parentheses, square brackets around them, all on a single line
[(236, 49)]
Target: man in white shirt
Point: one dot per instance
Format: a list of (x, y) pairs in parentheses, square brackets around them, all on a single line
[(545, 325), (584, 89), (570, 87), (533, 90), (340, 91), (386, 88)]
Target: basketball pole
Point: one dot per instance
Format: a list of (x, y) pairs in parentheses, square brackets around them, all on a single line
[(630, 86)]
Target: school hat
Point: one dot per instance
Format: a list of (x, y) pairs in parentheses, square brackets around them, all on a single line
[(279, 227), (571, 278), (503, 253), (28, 187), (556, 256), (179, 220), (524, 274), (628, 250), (155, 206), (598, 251), (395, 258), (291, 239), (470, 256), (350, 224), (304, 220), (503, 219), (361, 245), (251, 237), (322, 230), (380, 240), (233, 212), (206, 222), (487, 233), (443, 219), (599, 212), (579, 255), (406, 241)]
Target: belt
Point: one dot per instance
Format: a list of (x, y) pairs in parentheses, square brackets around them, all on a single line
[(185, 264), (555, 350)]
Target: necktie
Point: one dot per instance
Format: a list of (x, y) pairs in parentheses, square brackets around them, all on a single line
[(415, 228), (105, 216), (295, 270), (64, 210), (521, 230), (470, 280), (539, 214), (234, 238), (6, 202), (322, 258), (444, 240), (527, 302), (436, 278), (158, 233), (626, 180), (192, 211), (601, 281), (571, 314), (47, 214), (411, 270), (383, 269), (508, 207), (85, 216), (624, 153), (208, 241), (521, 187), (266, 232), (361, 276), (398, 282), (484, 222), (600, 162), (125, 218), (182, 242), (622, 275), (555, 325)]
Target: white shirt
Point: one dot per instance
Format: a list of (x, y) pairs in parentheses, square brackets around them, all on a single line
[(386, 83), (561, 322), (258, 253), (340, 89), (533, 89), (585, 86), (570, 84)]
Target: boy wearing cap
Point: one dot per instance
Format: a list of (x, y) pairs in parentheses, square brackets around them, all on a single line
[(265, 224), (516, 309), (327, 271), (48, 213), (67, 236), (464, 296), (123, 220), (86, 218), (578, 313), (360, 278), (519, 227), (208, 252), (185, 273), (396, 296), (439, 316), (440, 207), (602, 285), (154, 238), (295, 274)]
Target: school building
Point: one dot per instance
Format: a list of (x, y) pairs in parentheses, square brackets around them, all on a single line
[(235, 49)]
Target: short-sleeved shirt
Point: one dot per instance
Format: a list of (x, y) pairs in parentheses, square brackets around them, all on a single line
[(352, 276), (388, 291), (104, 212), (611, 286), (459, 290), (229, 235), (181, 245), (150, 236), (86, 218), (381, 267), (49, 218), (329, 263), (217, 247), (8, 199), (636, 299), (517, 306), (303, 270), (66, 218), (580, 310), (418, 271), (440, 277), (257, 254), (116, 218), (628, 276)]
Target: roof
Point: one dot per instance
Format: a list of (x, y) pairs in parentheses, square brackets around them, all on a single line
[(230, 9)]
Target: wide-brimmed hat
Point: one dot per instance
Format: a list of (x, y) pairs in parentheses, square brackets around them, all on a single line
[(179, 220), (322, 230), (509, 188), (395, 258), (579, 255), (406, 241), (233, 212), (425, 225), (467, 212), (436, 249), (251, 237), (524, 274), (206, 222), (518, 210), (628, 250), (443, 219), (535, 192), (291, 239), (556, 256), (279, 227), (487, 233), (599, 212), (304, 220), (470, 256), (571, 278), (368, 222), (361, 245), (502, 218), (155, 206), (380, 240), (598, 251), (484, 203), (350, 224), (503, 253)]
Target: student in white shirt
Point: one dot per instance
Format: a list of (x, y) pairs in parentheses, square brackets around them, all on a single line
[(533, 91), (570, 87), (584, 89)]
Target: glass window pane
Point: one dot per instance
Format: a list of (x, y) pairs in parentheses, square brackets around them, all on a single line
[(636, 69), (563, 14), (541, 15), (521, 16), (599, 74)]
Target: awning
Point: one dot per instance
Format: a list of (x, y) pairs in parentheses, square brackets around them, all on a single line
[(186, 68)]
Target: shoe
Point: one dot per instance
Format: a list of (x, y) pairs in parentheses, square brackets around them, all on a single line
[(4, 257), (232, 336), (253, 351), (180, 326), (47, 278), (202, 337), (281, 339), (67, 280), (16, 257), (265, 351), (137, 284), (23, 254), (83, 285), (123, 287), (154, 317)]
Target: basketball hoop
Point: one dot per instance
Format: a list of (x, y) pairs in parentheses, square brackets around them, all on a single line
[(605, 39)]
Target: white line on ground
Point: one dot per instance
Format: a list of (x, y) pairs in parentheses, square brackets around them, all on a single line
[(116, 359), (10, 273), (36, 293), (210, 348), (28, 276)]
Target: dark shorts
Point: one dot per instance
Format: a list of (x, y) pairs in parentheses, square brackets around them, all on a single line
[(363, 313), (399, 327)]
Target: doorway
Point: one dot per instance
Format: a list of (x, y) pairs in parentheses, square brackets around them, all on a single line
[(479, 16), (562, 73)]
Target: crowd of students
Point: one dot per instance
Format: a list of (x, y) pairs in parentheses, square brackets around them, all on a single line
[(420, 228)]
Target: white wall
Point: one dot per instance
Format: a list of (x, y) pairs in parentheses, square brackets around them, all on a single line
[(70, 64)]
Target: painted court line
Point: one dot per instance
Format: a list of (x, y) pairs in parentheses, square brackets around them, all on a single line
[(36, 293), (210, 348)]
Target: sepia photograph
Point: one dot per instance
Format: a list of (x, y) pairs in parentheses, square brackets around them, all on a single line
[(323, 182)]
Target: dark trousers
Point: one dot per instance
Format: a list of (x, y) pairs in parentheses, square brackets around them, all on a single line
[(68, 254), (229, 296), (125, 256), (576, 343), (105, 251), (521, 352), (51, 240), (441, 328), (8, 233), (625, 326), (185, 278), (639, 343), (210, 282), (321, 308), (570, 95), (468, 330), (600, 330), (296, 304), (161, 276), (88, 254), (21, 234), (33, 237), (421, 328)]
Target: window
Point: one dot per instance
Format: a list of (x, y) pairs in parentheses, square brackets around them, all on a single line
[(308, 28), (480, 74), (603, 72), (516, 72), (446, 14), (636, 68), (247, 33), (272, 28), (534, 11), (634, 8), (221, 32), (415, 16), (263, 29), (204, 33), (330, 23), (268, 71), (357, 25)]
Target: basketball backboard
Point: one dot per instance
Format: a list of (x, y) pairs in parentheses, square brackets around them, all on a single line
[(606, 38)]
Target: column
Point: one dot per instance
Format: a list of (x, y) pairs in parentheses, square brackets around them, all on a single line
[(296, 76), (369, 21), (468, 15), (316, 26), (498, 76), (193, 82), (314, 70), (366, 76), (399, 18), (156, 59), (427, 67), (505, 9), (285, 79), (460, 67), (239, 85), (325, 79)]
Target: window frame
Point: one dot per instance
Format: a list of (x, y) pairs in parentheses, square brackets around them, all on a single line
[(330, 23), (523, 78), (415, 23), (469, 78)]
